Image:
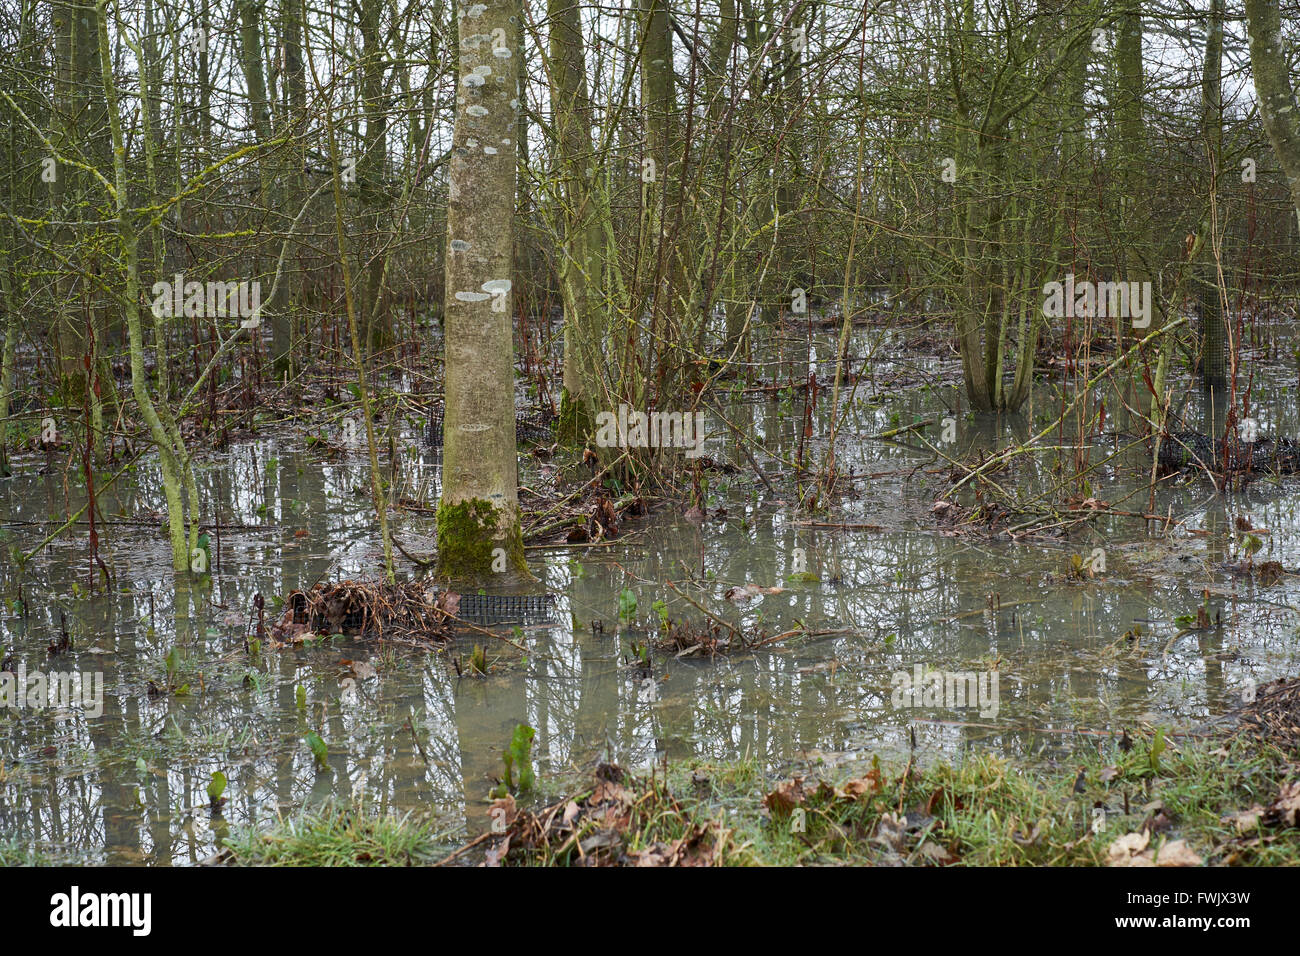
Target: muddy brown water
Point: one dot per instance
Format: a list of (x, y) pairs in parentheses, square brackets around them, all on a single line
[(129, 785)]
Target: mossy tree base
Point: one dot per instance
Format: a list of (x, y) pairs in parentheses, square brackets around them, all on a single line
[(475, 551)]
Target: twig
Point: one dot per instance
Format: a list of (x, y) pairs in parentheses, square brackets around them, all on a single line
[(704, 610)]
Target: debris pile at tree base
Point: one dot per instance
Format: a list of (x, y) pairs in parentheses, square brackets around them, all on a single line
[(412, 610)]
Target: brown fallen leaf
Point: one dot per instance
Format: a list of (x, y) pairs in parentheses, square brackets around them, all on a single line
[(1243, 820), (1124, 848), (871, 782), (787, 795), (940, 856), (694, 849), (1177, 853), (657, 854), (1158, 822), (1132, 849)]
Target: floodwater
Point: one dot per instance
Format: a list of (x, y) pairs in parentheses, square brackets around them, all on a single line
[(899, 591)]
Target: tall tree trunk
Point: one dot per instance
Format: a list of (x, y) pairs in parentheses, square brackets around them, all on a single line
[(1214, 364), (294, 186), (479, 509), (170, 457), (790, 254), (719, 93), (582, 241), (1133, 173), (67, 337), (658, 105), (372, 169), (1277, 102), (271, 168)]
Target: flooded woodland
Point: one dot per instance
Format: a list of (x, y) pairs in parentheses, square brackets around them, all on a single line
[(541, 433)]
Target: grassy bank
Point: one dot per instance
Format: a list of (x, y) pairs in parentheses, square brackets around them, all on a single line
[(336, 836), (1145, 800)]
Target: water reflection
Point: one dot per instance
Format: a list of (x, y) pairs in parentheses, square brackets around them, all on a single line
[(129, 786)]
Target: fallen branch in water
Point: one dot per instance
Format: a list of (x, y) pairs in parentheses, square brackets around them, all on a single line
[(902, 430)]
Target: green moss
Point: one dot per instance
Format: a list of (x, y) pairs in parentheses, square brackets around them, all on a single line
[(468, 534)]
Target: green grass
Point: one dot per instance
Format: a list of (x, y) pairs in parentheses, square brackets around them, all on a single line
[(984, 811), (987, 811), (336, 836)]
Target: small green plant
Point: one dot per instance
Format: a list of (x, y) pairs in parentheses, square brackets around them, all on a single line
[(519, 755), (661, 608), (173, 662), (1250, 544), (216, 787), (626, 605), (318, 748), (1157, 748)]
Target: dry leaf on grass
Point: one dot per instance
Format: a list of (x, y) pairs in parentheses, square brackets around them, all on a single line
[(938, 855), (1133, 849), (869, 783), (787, 795), (1243, 820)]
